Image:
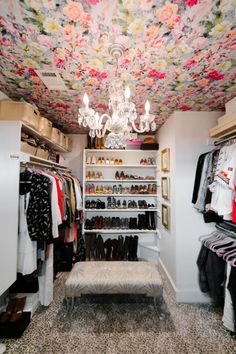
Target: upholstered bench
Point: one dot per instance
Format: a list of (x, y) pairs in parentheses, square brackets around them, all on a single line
[(114, 278)]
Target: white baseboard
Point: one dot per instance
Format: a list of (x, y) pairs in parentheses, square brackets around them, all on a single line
[(183, 295), (168, 277)]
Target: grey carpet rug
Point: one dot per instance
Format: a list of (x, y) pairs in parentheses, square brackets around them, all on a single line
[(123, 325)]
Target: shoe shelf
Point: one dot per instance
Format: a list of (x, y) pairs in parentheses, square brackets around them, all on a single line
[(115, 166), (120, 231), (123, 180), (131, 166), (118, 195), (100, 151), (120, 209)]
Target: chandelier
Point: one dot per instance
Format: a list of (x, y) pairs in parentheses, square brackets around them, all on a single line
[(123, 118)]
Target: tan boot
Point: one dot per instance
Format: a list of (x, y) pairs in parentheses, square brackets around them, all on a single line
[(20, 304), (9, 311)]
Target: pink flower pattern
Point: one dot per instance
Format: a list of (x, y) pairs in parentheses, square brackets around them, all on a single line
[(179, 54)]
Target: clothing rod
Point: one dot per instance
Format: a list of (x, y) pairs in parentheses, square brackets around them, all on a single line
[(224, 140), (46, 165)]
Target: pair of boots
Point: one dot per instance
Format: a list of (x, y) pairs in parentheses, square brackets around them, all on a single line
[(90, 142), (99, 143), (146, 221), (114, 249), (130, 248), (14, 310), (90, 247)]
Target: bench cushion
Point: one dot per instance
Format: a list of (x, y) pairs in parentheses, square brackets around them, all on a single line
[(113, 278)]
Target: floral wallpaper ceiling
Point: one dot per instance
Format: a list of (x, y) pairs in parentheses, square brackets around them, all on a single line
[(180, 54)]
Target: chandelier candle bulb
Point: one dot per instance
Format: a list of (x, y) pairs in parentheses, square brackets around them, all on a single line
[(86, 100), (127, 92), (147, 107)]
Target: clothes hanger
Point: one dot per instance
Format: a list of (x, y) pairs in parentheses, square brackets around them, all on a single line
[(227, 256), (212, 235)]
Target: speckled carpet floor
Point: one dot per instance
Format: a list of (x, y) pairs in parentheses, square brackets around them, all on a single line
[(111, 326)]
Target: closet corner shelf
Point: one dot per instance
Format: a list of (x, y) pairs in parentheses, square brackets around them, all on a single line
[(27, 129), (120, 231), (24, 158), (121, 209), (119, 166)]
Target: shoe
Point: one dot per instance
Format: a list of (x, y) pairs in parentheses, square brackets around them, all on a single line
[(114, 244), (122, 175), (93, 160), (117, 175), (120, 248), (89, 142), (92, 246), (124, 204), (116, 162), (135, 249), (9, 311), (18, 310), (108, 248), (126, 248), (87, 246), (112, 162), (88, 160), (120, 162)]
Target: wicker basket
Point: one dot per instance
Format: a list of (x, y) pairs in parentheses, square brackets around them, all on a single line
[(56, 135), (45, 127), (27, 148), (11, 110)]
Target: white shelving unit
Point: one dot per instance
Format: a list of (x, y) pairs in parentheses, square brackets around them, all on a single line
[(148, 239)]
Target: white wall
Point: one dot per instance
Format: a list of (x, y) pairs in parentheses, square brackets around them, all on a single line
[(74, 159), (186, 134), (166, 138)]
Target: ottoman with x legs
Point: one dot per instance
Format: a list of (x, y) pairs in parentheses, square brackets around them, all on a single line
[(113, 278)]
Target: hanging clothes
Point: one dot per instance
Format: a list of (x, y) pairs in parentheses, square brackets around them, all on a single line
[(27, 249), (214, 193)]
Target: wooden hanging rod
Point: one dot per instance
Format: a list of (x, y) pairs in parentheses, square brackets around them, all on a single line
[(44, 164)]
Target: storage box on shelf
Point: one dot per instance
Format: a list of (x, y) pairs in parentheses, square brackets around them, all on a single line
[(127, 178), (11, 110)]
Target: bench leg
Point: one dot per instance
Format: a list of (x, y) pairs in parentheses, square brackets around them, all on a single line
[(159, 306), (69, 304)]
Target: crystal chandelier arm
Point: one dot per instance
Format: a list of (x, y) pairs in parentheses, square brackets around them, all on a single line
[(142, 130), (101, 132)]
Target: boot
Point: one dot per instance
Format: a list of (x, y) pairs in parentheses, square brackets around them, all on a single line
[(87, 246), (126, 248), (102, 143), (120, 248), (148, 220), (92, 247), (107, 246), (131, 241), (140, 222), (101, 248), (9, 310), (114, 244), (89, 142), (153, 224), (98, 143), (135, 223), (135, 249), (97, 249), (19, 307)]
